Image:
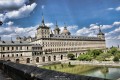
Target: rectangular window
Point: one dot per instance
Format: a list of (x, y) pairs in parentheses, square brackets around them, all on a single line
[(16, 48), (27, 47), (7, 48), (3, 48), (12, 48), (21, 48)]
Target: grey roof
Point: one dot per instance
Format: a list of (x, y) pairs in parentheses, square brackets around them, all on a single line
[(20, 43), (74, 37)]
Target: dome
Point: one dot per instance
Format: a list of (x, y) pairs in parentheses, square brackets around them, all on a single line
[(65, 31)]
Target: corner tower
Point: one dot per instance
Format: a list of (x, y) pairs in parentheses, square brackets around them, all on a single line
[(101, 35), (43, 31)]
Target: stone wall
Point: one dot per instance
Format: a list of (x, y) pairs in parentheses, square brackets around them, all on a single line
[(25, 72)]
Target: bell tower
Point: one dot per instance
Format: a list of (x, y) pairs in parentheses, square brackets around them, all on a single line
[(43, 31)]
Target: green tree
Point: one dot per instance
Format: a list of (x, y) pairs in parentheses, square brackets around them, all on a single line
[(95, 53), (116, 58), (85, 57), (71, 56), (113, 50)]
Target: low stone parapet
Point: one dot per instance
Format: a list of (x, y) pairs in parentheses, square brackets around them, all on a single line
[(27, 72)]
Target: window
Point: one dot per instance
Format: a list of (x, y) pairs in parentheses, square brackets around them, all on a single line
[(17, 55), (3, 48), (12, 55), (27, 48), (7, 48), (16, 48), (12, 48), (8, 55), (21, 48), (3, 55), (21, 54)]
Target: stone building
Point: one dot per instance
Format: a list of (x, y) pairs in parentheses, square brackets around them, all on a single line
[(47, 46)]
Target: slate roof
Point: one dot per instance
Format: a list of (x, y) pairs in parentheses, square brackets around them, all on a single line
[(20, 43), (74, 37)]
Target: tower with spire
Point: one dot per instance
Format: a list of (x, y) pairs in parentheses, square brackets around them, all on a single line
[(56, 30), (101, 35), (43, 31)]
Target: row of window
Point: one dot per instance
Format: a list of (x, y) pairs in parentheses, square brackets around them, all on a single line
[(69, 49), (13, 55), (13, 48), (70, 43)]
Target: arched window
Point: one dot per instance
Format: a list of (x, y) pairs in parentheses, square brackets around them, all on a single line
[(37, 59), (49, 58), (43, 59), (28, 60), (17, 55), (17, 61), (61, 57), (54, 58)]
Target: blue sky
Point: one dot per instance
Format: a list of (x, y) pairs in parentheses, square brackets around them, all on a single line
[(83, 17)]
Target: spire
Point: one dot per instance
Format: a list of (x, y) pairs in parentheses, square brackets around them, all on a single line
[(43, 23), (65, 26), (56, 24), (100, 29)]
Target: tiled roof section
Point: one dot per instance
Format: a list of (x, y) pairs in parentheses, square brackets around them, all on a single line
[(74, 37), (20, 43)]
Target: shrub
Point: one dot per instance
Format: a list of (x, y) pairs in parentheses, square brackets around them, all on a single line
[(71, 56), (115, 58)]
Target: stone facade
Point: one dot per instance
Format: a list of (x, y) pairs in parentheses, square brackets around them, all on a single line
[(47, 46)]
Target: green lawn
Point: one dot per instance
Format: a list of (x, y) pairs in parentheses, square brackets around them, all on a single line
[(74, 69)]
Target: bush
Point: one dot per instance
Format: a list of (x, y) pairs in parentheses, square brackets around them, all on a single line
[(71, 56), (115, 58), (85, 57)]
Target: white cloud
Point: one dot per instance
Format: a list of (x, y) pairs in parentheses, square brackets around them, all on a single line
[(11, 4), (49, 24), (22, 12), (116, 23), (110, 9), (2, 17), (7, 32), (10, 23), (117, 9)]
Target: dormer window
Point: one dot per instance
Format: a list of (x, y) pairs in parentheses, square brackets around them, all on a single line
[(12, 41), (3, 41)]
